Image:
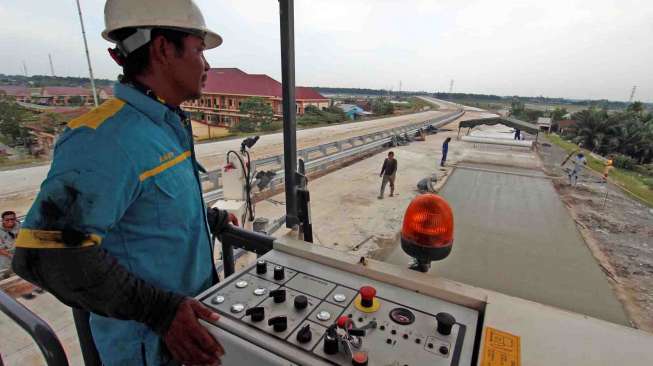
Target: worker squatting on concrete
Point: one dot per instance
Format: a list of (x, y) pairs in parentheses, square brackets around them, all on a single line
[(579, 163), (445, 150), (119, 227), (388, 172)]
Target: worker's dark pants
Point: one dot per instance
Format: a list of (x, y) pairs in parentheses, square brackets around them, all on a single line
[(388, 179), (444, 157)]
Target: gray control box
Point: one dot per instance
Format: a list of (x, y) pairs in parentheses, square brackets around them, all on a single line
[(291, 313)]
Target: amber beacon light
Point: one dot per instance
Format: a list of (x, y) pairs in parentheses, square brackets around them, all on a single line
[(427, 232)]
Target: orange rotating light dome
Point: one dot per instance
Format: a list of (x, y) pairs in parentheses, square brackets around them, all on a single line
[(427, 232)]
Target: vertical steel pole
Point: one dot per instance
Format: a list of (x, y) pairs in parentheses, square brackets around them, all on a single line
[(287, 22), (88, 57)]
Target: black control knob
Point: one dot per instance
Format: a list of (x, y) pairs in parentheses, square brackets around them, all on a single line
[(279, 296), (331, 341), (301, 302), (261, 267), (279, 273), (304, 335), (445, 322), (278, 323), (257, 313)]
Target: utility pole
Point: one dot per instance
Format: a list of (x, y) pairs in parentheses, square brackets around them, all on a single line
[(451, 87), (24, 68), (399, 86), (51, 65), (632, 94), (88, 57)]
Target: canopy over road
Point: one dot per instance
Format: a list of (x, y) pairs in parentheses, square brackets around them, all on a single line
[(507, 121)]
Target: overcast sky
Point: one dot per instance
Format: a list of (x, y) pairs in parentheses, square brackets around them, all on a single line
[(557, 48)]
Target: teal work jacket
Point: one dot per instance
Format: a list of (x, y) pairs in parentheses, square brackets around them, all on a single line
[(130, 167)]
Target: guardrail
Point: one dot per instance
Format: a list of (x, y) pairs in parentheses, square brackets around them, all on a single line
[(369, 143), (357, 145)]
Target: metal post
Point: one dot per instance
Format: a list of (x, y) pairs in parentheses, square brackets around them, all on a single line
[(88, 57), (286, 13), (86, 343), (228, 261)]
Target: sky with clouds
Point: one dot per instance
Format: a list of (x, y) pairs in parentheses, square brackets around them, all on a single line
[(556, 48)]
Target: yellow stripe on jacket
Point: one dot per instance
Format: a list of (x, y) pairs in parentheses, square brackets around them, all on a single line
[(50, 239), (168, 164), (97, 116)]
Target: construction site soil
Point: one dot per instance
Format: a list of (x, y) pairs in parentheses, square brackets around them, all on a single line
[(618, 230)]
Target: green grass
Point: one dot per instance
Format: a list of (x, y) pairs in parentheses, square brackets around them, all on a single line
[(416, 104), (633, 183), (17, 163)]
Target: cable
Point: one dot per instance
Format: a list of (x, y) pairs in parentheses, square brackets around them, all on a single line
[(249, 207)]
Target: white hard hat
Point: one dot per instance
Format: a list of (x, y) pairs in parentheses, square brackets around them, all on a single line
[(147, 14)]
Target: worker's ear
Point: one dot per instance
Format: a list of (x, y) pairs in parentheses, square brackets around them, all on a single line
[(161, 51)]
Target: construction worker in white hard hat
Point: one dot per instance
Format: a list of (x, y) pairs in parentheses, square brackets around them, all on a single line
[(119, 227)]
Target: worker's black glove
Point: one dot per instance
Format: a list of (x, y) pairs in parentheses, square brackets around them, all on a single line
[(218, 220)]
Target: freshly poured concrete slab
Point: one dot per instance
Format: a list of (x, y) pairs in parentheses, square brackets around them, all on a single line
[(513, 235)]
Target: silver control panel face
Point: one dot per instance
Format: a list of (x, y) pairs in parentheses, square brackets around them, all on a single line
[(314, 314)]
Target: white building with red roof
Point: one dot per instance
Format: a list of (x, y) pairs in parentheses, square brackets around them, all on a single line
[(226, 88)]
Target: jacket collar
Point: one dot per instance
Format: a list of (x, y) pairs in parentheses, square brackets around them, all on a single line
[(154, 109)]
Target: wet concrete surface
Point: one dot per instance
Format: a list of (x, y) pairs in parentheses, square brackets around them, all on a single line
[(513, 235)]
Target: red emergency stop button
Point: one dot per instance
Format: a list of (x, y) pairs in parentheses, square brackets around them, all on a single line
[(367, 296), (359, 359), (342, 321)]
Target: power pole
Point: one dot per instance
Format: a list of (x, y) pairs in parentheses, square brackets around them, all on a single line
[(24, 68), (632, 94), (451, 87), (51, 65), (88, 57), (399, 86)]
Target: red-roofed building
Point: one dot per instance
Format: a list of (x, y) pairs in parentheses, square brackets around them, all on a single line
[(65, 95), (18, 92), (226, 88)]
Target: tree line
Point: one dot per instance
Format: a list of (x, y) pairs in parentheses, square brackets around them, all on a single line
[(46, 80)]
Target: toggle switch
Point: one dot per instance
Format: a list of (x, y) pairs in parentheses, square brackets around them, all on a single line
[(257, 313), (278, 323), (304, 335), (279, 296)]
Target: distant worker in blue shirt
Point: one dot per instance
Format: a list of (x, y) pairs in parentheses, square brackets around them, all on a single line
[(119, 227), (445, 150)]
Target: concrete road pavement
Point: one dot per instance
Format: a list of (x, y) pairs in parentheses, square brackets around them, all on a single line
[(513, 235)]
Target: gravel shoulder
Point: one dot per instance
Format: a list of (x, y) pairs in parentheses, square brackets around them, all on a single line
[(619, 232)]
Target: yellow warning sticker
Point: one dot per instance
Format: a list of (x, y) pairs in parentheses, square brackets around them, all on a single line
[(500, 349)]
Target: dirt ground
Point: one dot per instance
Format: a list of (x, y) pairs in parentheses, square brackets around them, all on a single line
[(619, 233)]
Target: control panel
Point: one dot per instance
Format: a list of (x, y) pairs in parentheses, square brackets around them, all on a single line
[(309, 313)]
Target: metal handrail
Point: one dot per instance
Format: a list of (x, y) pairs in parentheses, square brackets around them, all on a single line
[(236, 237), (37, 328)]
